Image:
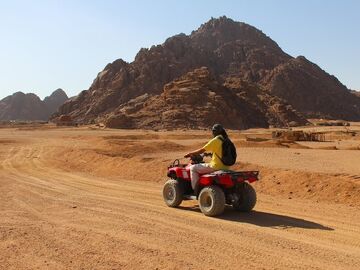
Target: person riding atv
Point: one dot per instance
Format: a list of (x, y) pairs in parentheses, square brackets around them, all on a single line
[(215, 147), (212, 184)]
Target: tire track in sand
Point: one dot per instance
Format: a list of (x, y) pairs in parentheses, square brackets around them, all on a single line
[(76, 221)]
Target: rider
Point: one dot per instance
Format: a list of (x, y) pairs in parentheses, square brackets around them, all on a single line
[(215, 147)]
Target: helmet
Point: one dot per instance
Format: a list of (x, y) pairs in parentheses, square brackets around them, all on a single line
[(217, 129)]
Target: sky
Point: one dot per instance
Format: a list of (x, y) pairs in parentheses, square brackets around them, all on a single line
[(50, 44)]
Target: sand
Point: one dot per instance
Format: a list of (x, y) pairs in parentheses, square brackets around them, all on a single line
[(88, 198)]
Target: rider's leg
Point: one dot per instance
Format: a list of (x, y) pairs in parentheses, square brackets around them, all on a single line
[(197, 169)]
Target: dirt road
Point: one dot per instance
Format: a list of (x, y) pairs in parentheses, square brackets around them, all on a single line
[(51, 218)]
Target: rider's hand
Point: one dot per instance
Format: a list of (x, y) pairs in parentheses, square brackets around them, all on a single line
[(187, 155)]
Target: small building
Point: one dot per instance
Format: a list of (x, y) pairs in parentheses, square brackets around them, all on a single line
[(298, 135)]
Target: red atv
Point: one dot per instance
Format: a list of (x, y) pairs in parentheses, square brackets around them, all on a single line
[(216, 189)]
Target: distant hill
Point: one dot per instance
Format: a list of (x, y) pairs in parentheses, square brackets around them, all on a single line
[(30, 107), (356, 93), (224, 71)]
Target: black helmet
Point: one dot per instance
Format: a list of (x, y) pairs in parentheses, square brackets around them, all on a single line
[(217, 129)]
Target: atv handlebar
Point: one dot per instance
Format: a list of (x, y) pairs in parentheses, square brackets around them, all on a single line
[(176, 163), (195, 159), (202, 155)]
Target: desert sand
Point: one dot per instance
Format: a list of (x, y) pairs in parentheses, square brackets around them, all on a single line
[(90, 198)]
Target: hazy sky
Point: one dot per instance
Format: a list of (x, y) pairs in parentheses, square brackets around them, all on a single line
[(50, 44)]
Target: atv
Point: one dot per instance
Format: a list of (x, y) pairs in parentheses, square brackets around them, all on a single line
[(216, 189)]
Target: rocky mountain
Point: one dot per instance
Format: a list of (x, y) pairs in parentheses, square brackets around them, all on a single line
[(202, 100), (30, 107), (57, 98), (312, 91), (224, 71)]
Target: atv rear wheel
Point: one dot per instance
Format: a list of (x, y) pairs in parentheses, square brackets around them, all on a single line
[(212, 201), (247, 198), (172, 193)]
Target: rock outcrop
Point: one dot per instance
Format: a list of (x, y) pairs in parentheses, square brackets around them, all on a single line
[(198, 100), (29, 107), (271, 87)]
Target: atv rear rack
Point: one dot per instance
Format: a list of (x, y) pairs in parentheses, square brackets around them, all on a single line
[(237, 174), (245, 175)]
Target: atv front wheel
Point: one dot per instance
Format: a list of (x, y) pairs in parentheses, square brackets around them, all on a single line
[(212, 201), (172, 193), (247, 198)]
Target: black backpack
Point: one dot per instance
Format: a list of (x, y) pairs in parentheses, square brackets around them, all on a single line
[(228, 152)]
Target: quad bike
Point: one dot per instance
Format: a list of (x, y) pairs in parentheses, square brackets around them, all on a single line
[(216, 189)]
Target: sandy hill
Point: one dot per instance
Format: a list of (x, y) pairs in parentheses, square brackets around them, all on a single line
[(20, 106), (243, 62)]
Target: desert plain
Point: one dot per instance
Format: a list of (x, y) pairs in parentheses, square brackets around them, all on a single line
[(91, 198)]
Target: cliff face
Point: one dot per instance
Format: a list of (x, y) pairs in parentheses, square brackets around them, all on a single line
[(20, 106), (240, 59)]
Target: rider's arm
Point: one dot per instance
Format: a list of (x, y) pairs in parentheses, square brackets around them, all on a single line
[(196, 152), (208, 147)]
